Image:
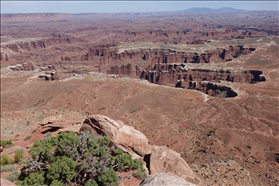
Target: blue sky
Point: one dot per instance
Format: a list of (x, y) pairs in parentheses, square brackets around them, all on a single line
[(125, 6)]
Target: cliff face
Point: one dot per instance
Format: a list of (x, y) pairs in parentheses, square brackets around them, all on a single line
[(213, 89), (107, 56), (23, 67), (31, 45), (178, 75), (170, 74), (3, 56), (132, 62), (184, 36)]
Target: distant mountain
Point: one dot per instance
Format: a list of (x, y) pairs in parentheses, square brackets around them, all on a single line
[(211, 10)]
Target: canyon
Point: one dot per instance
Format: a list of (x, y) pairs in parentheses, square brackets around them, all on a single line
[(166, 70), (203, 85)]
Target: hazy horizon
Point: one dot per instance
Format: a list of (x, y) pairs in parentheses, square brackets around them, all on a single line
[(72, 7)]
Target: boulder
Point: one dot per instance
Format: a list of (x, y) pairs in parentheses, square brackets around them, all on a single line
[(58, 124), (123, 136), (164, 178), (164, 159)]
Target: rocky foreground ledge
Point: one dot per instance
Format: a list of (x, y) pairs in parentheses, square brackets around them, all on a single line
[(163, 165)]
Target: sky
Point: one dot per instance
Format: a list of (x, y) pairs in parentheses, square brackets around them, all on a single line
[(125, 6)]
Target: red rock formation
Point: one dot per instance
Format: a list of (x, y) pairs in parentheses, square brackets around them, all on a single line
[(164, 178), (3, 56), (169, 74), (158, 158), (123, 70), (164, 159), (31, 45), (49, 73), (177, 75), (23, 67), (123, 136), (215, 90), (109, 56), (66, 58)]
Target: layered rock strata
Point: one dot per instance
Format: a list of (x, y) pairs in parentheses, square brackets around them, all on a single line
[(182, 76), (109, 54), (157, 158)]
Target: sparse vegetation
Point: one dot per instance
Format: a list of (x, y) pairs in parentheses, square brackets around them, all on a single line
[(13, 176), (78, 159), (140, 174), (5, 160), (18, 157), (48, 134), (27, 137), (19, 150), (34, 130), (7, 168), (6, 143)]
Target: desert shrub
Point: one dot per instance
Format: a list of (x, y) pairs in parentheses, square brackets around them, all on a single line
[(57, 183), (48, 134), (6, 143), (7, 168), (140, 174), (5, 160), (13, 176), (19, 150), (91, 183), (34, 130), (18, 157), (27, 138), (34, 178), (125, 161), (78, 159), (108, 177)]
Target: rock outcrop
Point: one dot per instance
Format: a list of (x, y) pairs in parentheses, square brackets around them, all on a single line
[(109, 54), (23, 67), (157, 158), (164, 159), (170, 74), (124, 137), (40, 43), (166, 179), (213, 89), (182, 76), (49, 73), (4, 56), (113, 59), (56, 124)]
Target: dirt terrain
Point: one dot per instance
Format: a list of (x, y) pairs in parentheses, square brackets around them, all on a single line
[(126, 66)]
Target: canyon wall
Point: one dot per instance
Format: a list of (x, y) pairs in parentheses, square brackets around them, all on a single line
[(204, 80), (132, 62), (172, 74), (43, 43), (154, 56)]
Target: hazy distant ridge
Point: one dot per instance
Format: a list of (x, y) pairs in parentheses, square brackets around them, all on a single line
[(211, 10)]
